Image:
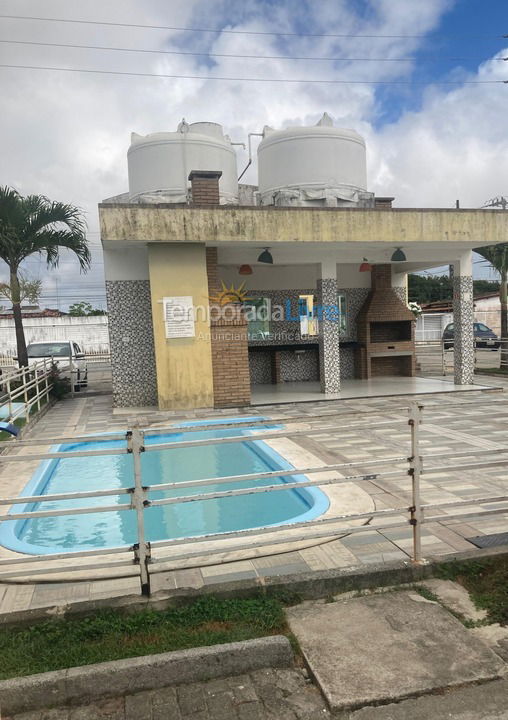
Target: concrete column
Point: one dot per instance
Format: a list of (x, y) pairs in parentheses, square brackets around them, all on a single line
[(463, 313), (399, 284), (329, 351)]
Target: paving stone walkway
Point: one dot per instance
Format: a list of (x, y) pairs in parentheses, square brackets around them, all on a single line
[(467, 422), (261, 695)]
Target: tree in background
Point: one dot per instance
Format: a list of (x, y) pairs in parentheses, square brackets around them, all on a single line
[(84, 309), (28, 289), (425, 289), (35, 224)]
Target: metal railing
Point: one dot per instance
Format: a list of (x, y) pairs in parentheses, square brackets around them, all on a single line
[(92, 356), (436, 357), (24, 389), (144, 558)]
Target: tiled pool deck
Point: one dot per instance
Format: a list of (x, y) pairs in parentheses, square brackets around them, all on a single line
[(454, 422)]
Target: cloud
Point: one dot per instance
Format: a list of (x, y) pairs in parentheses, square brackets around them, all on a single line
[(454, 147), (66, 135)]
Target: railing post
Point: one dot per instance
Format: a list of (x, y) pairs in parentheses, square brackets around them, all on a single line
[(139, 501), (37, 393), (46, 381), (9, 396), (71, 371), (443, 359), (25, 393), (503, 350), (415, 469)]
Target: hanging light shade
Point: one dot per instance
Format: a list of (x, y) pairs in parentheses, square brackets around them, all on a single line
[(245, 270), (398, 255), (266, 257), (365, 266)]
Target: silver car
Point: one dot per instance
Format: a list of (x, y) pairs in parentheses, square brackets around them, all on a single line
[(65, 354)]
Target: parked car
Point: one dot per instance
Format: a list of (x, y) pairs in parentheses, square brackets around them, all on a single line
[(62, 353), (483, 336)]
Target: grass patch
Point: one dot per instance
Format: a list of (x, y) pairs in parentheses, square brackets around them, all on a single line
[(19, 422), (486, 581), (491, 371), (111, 635)]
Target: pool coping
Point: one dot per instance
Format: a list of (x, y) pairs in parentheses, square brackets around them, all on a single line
[(42, 476)]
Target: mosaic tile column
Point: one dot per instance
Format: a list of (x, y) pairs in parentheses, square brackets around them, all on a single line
[(329, 351), (463, 329), (131, 343)]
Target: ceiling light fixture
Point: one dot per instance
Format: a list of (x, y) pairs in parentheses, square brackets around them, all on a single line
[(398, 255), (365, 266), (266, 257), (245, 270)]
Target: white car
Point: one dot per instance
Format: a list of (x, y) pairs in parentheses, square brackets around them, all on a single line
[(63, 353)]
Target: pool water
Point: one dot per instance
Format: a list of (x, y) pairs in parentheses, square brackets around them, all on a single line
[(112, 529)]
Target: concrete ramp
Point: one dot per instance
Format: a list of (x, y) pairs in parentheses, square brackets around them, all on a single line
[(384, 648)]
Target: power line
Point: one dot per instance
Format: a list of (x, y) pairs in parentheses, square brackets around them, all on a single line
[(232, 55), (228, 31), (249, 79)]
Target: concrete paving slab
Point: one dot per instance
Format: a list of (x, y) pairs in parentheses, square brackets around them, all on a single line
[(480, 702), (455, 597), (385, 648), (496, 637)]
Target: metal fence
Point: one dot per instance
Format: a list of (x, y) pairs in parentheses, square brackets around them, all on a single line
[(8, 361), (435, 357), (25, 389), (144, 559)]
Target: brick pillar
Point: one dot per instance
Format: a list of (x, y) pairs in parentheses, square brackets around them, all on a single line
[(230, 357), (211, 271), (463, 317), (329, 352), (383, 203), (229, 341), (205, 187)]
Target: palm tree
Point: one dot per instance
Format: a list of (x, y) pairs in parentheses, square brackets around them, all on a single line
[(34, 224)]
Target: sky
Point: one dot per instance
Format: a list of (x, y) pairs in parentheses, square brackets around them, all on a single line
[(424, 98)]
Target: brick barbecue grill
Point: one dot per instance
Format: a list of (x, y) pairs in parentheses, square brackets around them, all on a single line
[(385, 331)]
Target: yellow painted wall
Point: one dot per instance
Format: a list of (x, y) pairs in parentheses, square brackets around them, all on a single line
[(184, 365)]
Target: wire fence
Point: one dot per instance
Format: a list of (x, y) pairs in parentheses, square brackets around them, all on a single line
[(144, 558)]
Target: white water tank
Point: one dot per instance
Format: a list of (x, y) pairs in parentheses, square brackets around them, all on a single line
[(319, 165), (159, 163)]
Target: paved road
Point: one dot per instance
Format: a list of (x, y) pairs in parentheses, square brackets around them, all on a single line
[(262, 695), (281, 695)]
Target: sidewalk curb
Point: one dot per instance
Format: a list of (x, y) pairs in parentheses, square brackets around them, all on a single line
[(311, 585), (149, 672)]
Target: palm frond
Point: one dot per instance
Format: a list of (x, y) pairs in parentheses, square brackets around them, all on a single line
[(496, 255), (35, 224), (49, 242)]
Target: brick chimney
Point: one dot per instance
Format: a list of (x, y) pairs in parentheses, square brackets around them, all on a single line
[(205, 187)]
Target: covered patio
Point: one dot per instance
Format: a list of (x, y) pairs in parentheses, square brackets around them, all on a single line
[(312, 300), (295, 392)]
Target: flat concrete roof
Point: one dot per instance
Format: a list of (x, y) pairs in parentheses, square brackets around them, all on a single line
[(238, 225)]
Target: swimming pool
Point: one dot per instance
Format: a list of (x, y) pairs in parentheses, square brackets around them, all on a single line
[(113, 529)]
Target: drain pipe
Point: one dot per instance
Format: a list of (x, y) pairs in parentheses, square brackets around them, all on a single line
[(250, 155)]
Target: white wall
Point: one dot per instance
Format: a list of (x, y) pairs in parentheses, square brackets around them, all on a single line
[(89, 332), (271, 277), (488, 311), (128, 263), (290, 277)]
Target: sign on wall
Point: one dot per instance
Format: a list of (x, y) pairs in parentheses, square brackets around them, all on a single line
[(179, 316)]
